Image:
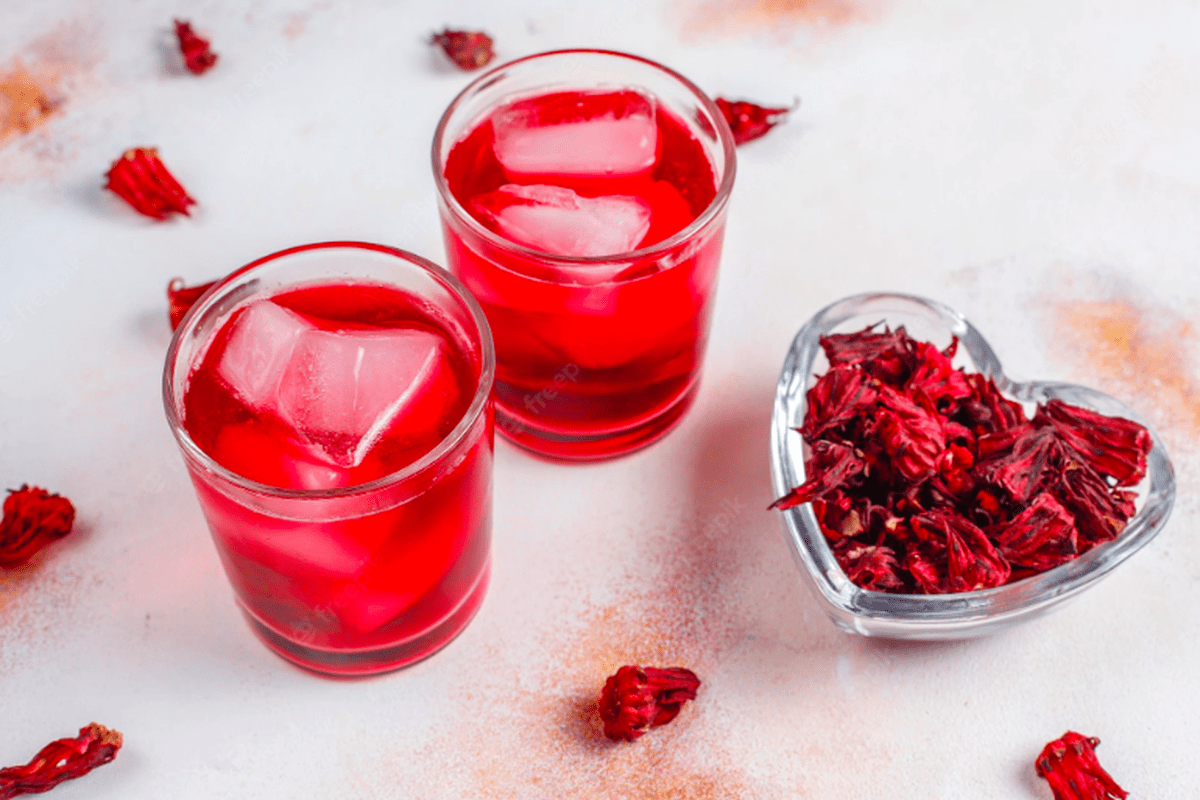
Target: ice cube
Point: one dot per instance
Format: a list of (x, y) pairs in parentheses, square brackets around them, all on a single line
[(407, 567), (556, 220), (366, 610), (258, 350), (619, 141), (343, 389), (309, 556), (266, 454)]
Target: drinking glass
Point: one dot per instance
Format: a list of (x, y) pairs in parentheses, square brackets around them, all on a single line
[(597, 355), (362, 578)]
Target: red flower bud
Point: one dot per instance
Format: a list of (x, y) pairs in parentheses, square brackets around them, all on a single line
[(180, 298), (197, 54), (468, 49), (637, 698), (1070, 766), (141, 180), (61, 760), (32, 518), (748, 121)]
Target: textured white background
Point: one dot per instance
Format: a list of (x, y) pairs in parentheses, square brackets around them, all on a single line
[(1033, 164)]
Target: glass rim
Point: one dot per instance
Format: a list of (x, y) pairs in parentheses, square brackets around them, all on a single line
[(448, 443), (705, 218)]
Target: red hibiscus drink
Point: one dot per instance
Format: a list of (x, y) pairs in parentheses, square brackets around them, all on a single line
[(332, 403), (583, 196)]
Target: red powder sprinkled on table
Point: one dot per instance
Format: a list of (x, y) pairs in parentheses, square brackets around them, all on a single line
[(38, 86), (25, 102), (531, 728), (724, 16), (1145, 349)]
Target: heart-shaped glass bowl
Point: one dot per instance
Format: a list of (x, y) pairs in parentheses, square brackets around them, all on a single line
[(946, 616)]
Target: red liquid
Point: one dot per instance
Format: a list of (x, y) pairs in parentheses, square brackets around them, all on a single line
[(378, 579), (598, 358)]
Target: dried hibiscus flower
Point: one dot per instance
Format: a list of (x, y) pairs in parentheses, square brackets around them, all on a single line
[(60, 761), (468, 49), (1070, 766), (749, 121), (197, 53), (1039, 538), (141, 179), (969, 561), (869, 566), (925, 479), (638, 698), (32, 519), (180, 298)]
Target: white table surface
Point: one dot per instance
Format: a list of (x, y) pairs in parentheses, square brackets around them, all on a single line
[(1034, 165)]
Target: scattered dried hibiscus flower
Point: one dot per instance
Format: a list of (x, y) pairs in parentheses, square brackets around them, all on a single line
[(197, 53), (180, 298), (468, 49), (1070, 766), (638, 698), (32, 519), (141, 179), (749, 121), (926, 480), (60, 761)]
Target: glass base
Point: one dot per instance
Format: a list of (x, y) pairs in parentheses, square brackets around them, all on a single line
[(361, 663), (525, 432)]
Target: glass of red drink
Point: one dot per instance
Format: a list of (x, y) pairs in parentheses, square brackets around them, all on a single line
[(333, 406), (583, 197)]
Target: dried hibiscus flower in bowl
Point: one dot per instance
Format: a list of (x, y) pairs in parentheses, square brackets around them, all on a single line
[(927, 500)]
